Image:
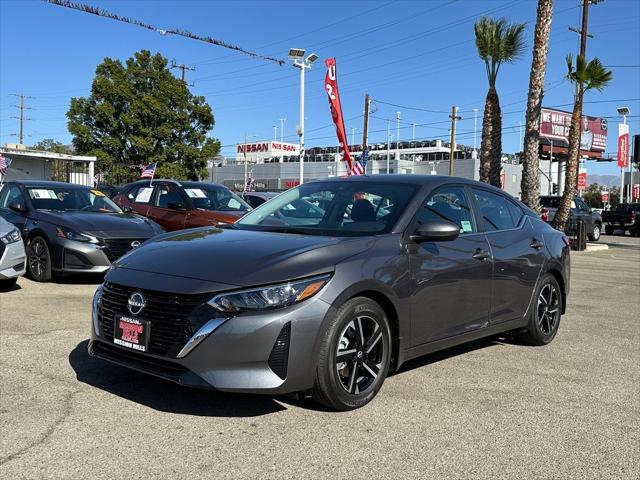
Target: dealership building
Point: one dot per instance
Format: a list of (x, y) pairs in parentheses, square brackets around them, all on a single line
[(275, 166)]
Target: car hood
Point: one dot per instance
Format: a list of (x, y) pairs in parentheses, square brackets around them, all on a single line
[(102, 225), (240, 257)]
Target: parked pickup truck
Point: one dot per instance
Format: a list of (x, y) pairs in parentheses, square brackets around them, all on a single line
[(579, 211), (625, 217)]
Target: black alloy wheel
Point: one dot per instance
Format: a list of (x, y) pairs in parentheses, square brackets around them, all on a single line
[(354, 355), (39, 260), (545, 313)]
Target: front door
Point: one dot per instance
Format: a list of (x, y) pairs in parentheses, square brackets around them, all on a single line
[(168, 207), (451, 279), (12, 194), (518, 254)]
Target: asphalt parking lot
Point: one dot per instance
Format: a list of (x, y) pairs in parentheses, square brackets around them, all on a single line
[(491, 409)]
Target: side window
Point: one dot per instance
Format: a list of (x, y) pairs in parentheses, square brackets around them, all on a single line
[(583, 206), (448, 203), (497, 212), (167, 194), (140, 194), (10, 194), (254, 201)]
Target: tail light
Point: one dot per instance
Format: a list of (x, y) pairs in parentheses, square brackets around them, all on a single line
[(544, 215)]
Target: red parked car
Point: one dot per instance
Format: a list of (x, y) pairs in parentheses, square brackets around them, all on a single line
[(177, 205)]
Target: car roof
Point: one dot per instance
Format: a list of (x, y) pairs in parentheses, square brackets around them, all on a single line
[(412, 179), (183, 183), (47, 184)]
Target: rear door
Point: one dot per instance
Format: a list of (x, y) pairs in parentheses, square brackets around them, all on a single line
[(452, 279), (138, 198), (518, 253)]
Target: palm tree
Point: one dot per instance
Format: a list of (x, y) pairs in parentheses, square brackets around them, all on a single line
[(497, 42), (586, 76), (530, 184)]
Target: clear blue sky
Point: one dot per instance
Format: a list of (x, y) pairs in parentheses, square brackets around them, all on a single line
[(412, 53)]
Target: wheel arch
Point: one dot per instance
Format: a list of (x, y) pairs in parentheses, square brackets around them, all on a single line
[(563, 291)]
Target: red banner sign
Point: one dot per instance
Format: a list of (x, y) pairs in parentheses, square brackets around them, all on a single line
[(623, 145), (331, 85), (582, 179), (635, 192)]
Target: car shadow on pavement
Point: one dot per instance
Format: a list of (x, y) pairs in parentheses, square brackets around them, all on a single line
[(163, 395), (79, 279)]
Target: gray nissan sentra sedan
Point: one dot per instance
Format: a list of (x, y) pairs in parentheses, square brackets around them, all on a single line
[(331, 285)]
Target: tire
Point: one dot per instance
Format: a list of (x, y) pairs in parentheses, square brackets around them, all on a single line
[(7, 284), (608, 229), (543, 327), (39, 260), (595, 235), (348, 374)]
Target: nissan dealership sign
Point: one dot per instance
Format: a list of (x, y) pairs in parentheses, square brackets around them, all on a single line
[(259, 151), (555, 125)]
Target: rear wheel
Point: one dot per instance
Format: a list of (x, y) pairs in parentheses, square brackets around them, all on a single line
[(39, 260), (595, 235), (544, 319), (354, 356)]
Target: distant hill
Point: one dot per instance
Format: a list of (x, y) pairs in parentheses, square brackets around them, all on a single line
[(607, 180)]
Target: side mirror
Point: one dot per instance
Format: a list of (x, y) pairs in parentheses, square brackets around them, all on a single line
[(17, 207), (127, 209), (175, 206), (436, 231)]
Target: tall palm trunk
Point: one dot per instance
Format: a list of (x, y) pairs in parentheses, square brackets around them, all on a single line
[(491, 146), (573, 157), (530, 184)]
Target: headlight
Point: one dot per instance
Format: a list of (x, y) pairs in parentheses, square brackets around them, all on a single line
[(69, 234), (12, 237), (97, 298), (273, 296)]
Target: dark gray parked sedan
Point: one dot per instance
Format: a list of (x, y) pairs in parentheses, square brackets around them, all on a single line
[(394, 267)]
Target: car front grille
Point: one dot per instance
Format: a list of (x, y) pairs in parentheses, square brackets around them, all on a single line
[(114, 248), (167, 313)]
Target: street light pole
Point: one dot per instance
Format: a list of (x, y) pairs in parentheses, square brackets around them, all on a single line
[(388, 143), (398, 140), (475, 133), (297, 55), (282, 120)]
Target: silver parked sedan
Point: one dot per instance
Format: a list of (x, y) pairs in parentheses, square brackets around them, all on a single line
[(12, 255)]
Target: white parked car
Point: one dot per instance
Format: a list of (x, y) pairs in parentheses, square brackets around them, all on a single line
[(12, 255)]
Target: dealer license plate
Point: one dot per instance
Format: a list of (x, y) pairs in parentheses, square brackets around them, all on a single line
[(131, 333)]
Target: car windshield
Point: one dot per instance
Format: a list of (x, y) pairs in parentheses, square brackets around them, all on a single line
[(213, 197), (335, 208), (67, 199)]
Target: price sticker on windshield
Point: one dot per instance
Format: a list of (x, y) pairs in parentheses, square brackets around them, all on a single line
[(97, 193)]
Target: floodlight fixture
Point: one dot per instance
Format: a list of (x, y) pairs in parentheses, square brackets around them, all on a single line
[(311, 58), (623, 111), (296, 53)]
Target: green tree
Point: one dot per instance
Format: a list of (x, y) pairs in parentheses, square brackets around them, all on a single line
[(497, 42), (530, 183), (586, 76), (51, 145), (593, 196), (139, 113)]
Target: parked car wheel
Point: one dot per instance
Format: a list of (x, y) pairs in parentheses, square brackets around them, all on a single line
[(544, 319), (354, 355), (7, 283), (39, 260), (608, 229), (595, 235)]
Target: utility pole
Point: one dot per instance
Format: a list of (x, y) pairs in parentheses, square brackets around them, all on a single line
[(245, 161), (182, 67), (475, 133), (388, 143), (452, 143), (365, 129), (282, 120), (21, 118), (353, 136), (413, 132)]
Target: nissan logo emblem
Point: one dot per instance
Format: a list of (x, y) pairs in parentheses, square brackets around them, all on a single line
[(136, 303), (135, 244)]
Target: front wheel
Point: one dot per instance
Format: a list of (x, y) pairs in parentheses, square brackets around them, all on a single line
[(595, 235), (39, 260), (544, 318), (354, 355)]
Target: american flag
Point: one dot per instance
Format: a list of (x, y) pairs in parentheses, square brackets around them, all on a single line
[(356, 168), (249, 185), (4, 165), (148, 171)]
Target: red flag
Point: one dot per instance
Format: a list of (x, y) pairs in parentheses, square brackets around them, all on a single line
[(331, 85), (623, 145)]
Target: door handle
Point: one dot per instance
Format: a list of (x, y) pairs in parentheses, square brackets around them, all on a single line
[(537, 244), (481, 255)]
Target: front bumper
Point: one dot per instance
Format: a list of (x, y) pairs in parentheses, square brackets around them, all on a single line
[(81, 257), (12, 260), (243, 354)]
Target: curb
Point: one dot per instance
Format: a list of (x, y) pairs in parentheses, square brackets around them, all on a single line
[(596, 247)]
